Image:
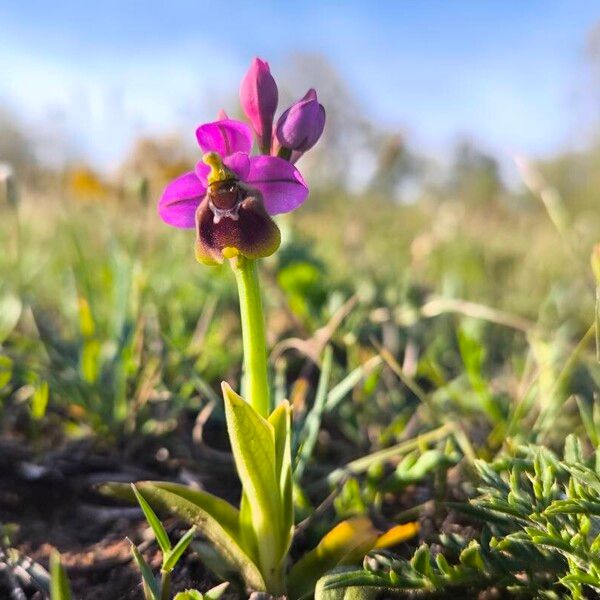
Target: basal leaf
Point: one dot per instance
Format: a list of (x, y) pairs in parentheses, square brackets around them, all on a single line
[(281, 420), (214, 518), (253, 446), (247, 532), (216, 563)]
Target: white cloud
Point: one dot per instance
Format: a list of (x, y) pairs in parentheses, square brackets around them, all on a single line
[(103, 105)]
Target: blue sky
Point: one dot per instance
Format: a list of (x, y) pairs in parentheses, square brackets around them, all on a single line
[(509, 73)]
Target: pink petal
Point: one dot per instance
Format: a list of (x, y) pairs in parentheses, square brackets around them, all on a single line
[(280, 183), (225, 137), (178, 204), (239, 163)]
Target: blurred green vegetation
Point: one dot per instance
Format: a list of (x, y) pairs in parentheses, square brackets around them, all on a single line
[(108, 314)]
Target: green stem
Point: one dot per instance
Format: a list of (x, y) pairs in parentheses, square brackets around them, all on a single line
[(165, 585), (256, 388)]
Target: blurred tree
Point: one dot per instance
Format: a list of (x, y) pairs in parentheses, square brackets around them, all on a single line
[(396, 165), (474, 176), (348, 132), (15, 147), (576, 177), (152, 162)]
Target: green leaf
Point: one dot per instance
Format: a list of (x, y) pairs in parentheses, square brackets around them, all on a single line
[(443, 565), (6, 370), (363, 463), (345, 577), (10, 313), (472, 352), (586, 413), (90, 360), (414, 467), (59, 584), (421, 561), (39, 401), (322, 592), (189, 595), (216, 563), (349, 501), (157, 527), (151, 587), (215, 518), (572, 451), (247, 534), (172, 558), (216, 592), (346, 544), (471, 556), (87, 327), (597, 322), (344, 387), (253, 446), (312, 423), (220, 510), (281, 420)]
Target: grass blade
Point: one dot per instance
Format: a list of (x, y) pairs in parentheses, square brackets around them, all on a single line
[(157, 527)]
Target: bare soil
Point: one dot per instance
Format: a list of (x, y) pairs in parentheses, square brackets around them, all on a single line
[(52, 501)]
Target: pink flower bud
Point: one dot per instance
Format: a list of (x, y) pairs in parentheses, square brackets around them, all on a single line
[(301, 125), (259, 96)]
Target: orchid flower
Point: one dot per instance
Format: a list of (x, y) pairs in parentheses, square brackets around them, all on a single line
[(230, 197)]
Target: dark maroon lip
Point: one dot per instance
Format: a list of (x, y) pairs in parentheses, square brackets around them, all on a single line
[(246, 227)]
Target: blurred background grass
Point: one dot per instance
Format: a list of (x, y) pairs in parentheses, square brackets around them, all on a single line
[(466, 268), (109, 315)]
